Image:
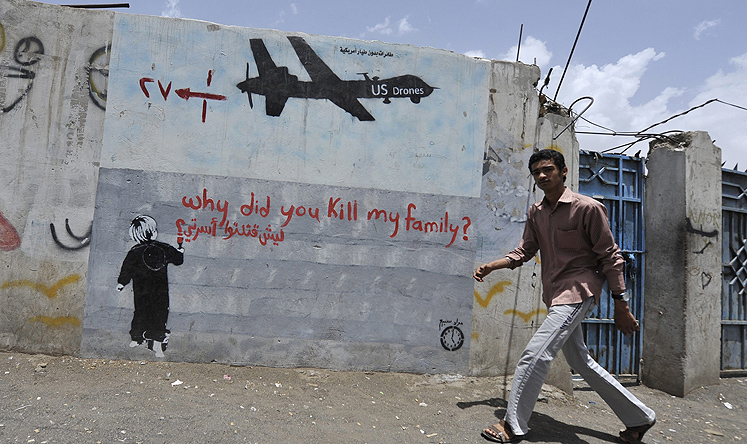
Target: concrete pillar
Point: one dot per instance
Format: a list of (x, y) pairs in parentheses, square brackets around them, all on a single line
[(681, 339)]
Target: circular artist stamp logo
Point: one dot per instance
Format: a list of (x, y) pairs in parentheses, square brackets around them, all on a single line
[(452, 337)]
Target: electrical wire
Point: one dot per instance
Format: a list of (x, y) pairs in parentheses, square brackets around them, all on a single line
[(731, 104), (679, 115), (572, 50), (642, 135)]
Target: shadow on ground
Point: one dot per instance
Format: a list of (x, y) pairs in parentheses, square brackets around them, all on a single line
[(544, 428)]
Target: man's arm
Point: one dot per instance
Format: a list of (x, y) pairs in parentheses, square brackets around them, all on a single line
[(526, 250), (606, 250), (613, 267), (485, 269)]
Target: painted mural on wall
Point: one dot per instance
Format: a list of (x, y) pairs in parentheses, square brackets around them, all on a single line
[(329, 225)]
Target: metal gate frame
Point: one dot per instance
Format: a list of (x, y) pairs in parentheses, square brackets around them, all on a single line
[(618, 182), (734, 262)]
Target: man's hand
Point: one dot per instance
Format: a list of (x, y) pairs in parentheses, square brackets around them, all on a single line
[(624, 319), (482, 271), (120, 287)]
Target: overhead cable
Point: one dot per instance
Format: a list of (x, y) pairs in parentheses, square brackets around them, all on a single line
[(643, 134), (555, 99)]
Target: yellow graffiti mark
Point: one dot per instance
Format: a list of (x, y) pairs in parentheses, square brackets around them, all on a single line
[(497, 288), (58, 321), (525, 316), (50, 292), (2, 37), (475, 336)]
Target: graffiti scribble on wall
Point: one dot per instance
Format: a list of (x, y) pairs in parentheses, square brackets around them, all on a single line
[(57, 321), (82, 241), (278, 85), (49, 291), (525, 316), (27, 52), (98, 75), (700, 232), (184, 93), (146, 266), (497, 288), (9, 239)]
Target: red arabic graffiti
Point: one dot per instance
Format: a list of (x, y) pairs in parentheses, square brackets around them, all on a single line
[(184, 93), (337, 209)]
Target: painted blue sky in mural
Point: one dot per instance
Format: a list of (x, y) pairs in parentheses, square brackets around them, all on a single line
[(642, 62), (190, 91)]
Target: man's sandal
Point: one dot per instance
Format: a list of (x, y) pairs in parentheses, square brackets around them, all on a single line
[(634, 435), (500, 432)]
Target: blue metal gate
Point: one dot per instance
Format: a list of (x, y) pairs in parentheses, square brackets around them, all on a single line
[(734, 285), (617, 181)]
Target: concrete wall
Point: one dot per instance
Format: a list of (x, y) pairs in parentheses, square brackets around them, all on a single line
[(338, 229), (681, 342), (508, 305), (53, 93)]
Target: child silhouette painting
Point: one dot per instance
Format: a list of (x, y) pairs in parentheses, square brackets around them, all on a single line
[(146, 266)]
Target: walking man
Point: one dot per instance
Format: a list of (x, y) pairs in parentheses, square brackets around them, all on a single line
[(578, 253)]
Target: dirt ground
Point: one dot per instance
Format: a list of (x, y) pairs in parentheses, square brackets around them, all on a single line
[(64, 399)]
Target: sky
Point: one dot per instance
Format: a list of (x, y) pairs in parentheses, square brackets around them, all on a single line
[(642, 61)]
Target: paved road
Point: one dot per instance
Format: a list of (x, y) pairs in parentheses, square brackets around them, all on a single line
[(65, 399)]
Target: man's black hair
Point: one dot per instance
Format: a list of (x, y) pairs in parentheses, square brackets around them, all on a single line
[(555, 156)]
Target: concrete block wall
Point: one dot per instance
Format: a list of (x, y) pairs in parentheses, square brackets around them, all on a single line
[(328, 218), (681, 341)]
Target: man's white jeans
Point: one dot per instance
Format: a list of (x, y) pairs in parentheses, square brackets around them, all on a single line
[(562, 330)]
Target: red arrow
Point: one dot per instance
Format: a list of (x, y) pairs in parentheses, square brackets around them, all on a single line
[(185, 94)]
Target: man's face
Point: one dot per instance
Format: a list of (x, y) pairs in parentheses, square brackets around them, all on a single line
[(547, 176)]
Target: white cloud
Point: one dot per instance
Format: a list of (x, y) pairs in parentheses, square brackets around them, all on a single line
[(724, 123), (614, 87), (171, 9), (281, 18), (404, 26), (533, 51), (475, 53), (294, 8), (381, 28), (703, 26)]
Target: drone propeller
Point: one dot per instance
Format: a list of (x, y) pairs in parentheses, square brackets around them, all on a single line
[(249, 93)]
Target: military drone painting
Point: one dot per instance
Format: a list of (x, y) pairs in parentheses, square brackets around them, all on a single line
[(278, 85)]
